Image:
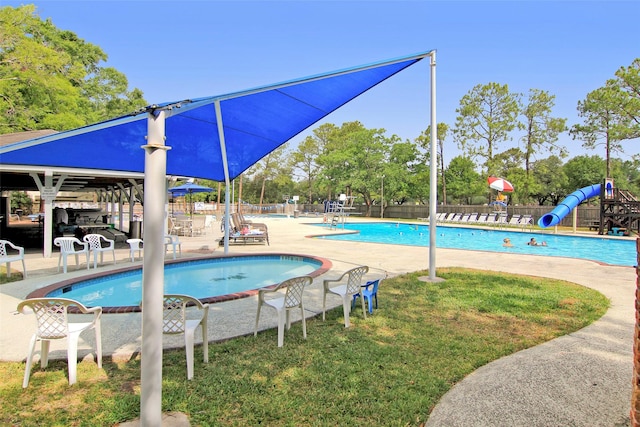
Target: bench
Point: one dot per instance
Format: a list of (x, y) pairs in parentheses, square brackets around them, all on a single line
[(594, 225)]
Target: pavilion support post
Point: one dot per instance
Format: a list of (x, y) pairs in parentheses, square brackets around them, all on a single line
[(153, 271), (433, 184), (225, 165)]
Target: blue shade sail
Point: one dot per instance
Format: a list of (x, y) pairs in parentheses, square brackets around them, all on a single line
[(255, 122)]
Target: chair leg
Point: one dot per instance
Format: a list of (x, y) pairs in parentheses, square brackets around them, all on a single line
[(188, 344), (205, 342), (281, 321), (44, 353), (304, 323), (324, 304), (27, 369), (346, 308), (364, 310), (255, 331), (9, 269), (24, 268), (72, 357), (98, 331)]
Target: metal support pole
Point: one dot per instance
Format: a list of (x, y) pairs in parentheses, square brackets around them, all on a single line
[(225, 165), (153, 271), (433, 187)]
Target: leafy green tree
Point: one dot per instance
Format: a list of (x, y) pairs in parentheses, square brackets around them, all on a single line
[(463, 180), (541, 129), (401, 179), (52, 79), (353, 160), (304, 158), (550, 181), (582, 171), (486, 116)]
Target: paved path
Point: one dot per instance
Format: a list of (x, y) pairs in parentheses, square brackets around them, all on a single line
[(583, 379)]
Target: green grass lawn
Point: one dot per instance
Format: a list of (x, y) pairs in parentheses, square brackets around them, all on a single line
[(390, 369)]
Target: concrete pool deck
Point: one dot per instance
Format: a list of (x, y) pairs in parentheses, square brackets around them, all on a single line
[(581, 379)]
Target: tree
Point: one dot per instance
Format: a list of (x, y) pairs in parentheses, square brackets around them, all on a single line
[(353, 159), (627, 82), (486, 116), (602, 123), (424, 140), (304, 159), (542, 130), (52, 79), (463, 180), (550, 180), (583, 171)]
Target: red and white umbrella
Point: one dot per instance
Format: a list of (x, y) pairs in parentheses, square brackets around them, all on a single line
[(500, 184)]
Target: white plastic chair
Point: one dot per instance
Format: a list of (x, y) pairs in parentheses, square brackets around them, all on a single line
[(135, 245), (8, 256), (175, 242), (71, 246), (283, 303), (95, 246), (176, 321), (53, 324), (346, 291)]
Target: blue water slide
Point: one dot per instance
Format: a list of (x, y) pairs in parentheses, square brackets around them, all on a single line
[(564, 207)]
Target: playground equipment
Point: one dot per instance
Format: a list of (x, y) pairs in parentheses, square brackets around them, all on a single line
[(619, 209)]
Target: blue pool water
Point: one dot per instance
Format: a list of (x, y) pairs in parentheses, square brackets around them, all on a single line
[(607, 250), (201, 279)]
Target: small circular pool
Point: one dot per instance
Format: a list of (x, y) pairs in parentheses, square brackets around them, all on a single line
[(211, 279)]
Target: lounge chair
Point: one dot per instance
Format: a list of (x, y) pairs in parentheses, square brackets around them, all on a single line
[(482, 219), (515, 220), (473, 218), (526, 221), (491, 219), (15, 253), (248, 233), (501, 220)]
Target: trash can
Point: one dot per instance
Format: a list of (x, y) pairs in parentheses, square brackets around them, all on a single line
[(135, 229), (296, 213)]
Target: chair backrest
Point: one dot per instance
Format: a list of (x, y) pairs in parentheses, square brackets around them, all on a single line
[(174, 313), (3, 248), (295, 288), (51, 315), (94, 240), (66, 244), (355, 279)]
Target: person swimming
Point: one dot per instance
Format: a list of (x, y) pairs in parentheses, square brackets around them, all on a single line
[(507, 242), (533, 242)]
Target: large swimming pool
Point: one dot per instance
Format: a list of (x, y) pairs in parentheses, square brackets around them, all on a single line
[(615, 251)]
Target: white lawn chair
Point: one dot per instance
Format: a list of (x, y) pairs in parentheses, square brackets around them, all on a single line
[(175, 242), (135, 245), (284, 303), (176, 320), (53, 324), (70, 246), (346, 290), (96, 246), (7, 256)]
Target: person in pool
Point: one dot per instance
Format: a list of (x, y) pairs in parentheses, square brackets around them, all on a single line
[(507, 242), (533, 242)]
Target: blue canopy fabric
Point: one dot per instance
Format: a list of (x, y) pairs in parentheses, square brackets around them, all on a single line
[(255, 122)]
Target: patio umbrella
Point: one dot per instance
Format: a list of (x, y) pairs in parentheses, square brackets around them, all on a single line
[(189, 189), (500, 184)]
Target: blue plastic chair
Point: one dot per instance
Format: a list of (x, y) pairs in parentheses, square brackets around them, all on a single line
[(369, 291)]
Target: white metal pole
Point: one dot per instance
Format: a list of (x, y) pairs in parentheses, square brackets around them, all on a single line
[(382, 197), (433, 187), (225, 165), (155, 168)]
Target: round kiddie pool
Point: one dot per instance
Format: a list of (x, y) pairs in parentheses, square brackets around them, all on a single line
[(210, 279)]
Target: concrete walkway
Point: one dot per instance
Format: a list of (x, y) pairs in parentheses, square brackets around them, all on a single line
[(583, 379)]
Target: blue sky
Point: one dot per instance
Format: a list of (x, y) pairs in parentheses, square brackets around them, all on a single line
[(174, 50)]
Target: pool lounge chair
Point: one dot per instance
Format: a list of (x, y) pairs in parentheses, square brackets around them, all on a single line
[(248, 233), (526, 221), (473, 218), (515, 220)]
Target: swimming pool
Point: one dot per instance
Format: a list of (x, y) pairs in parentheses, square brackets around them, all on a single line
[(212, 279), (613, 251)]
